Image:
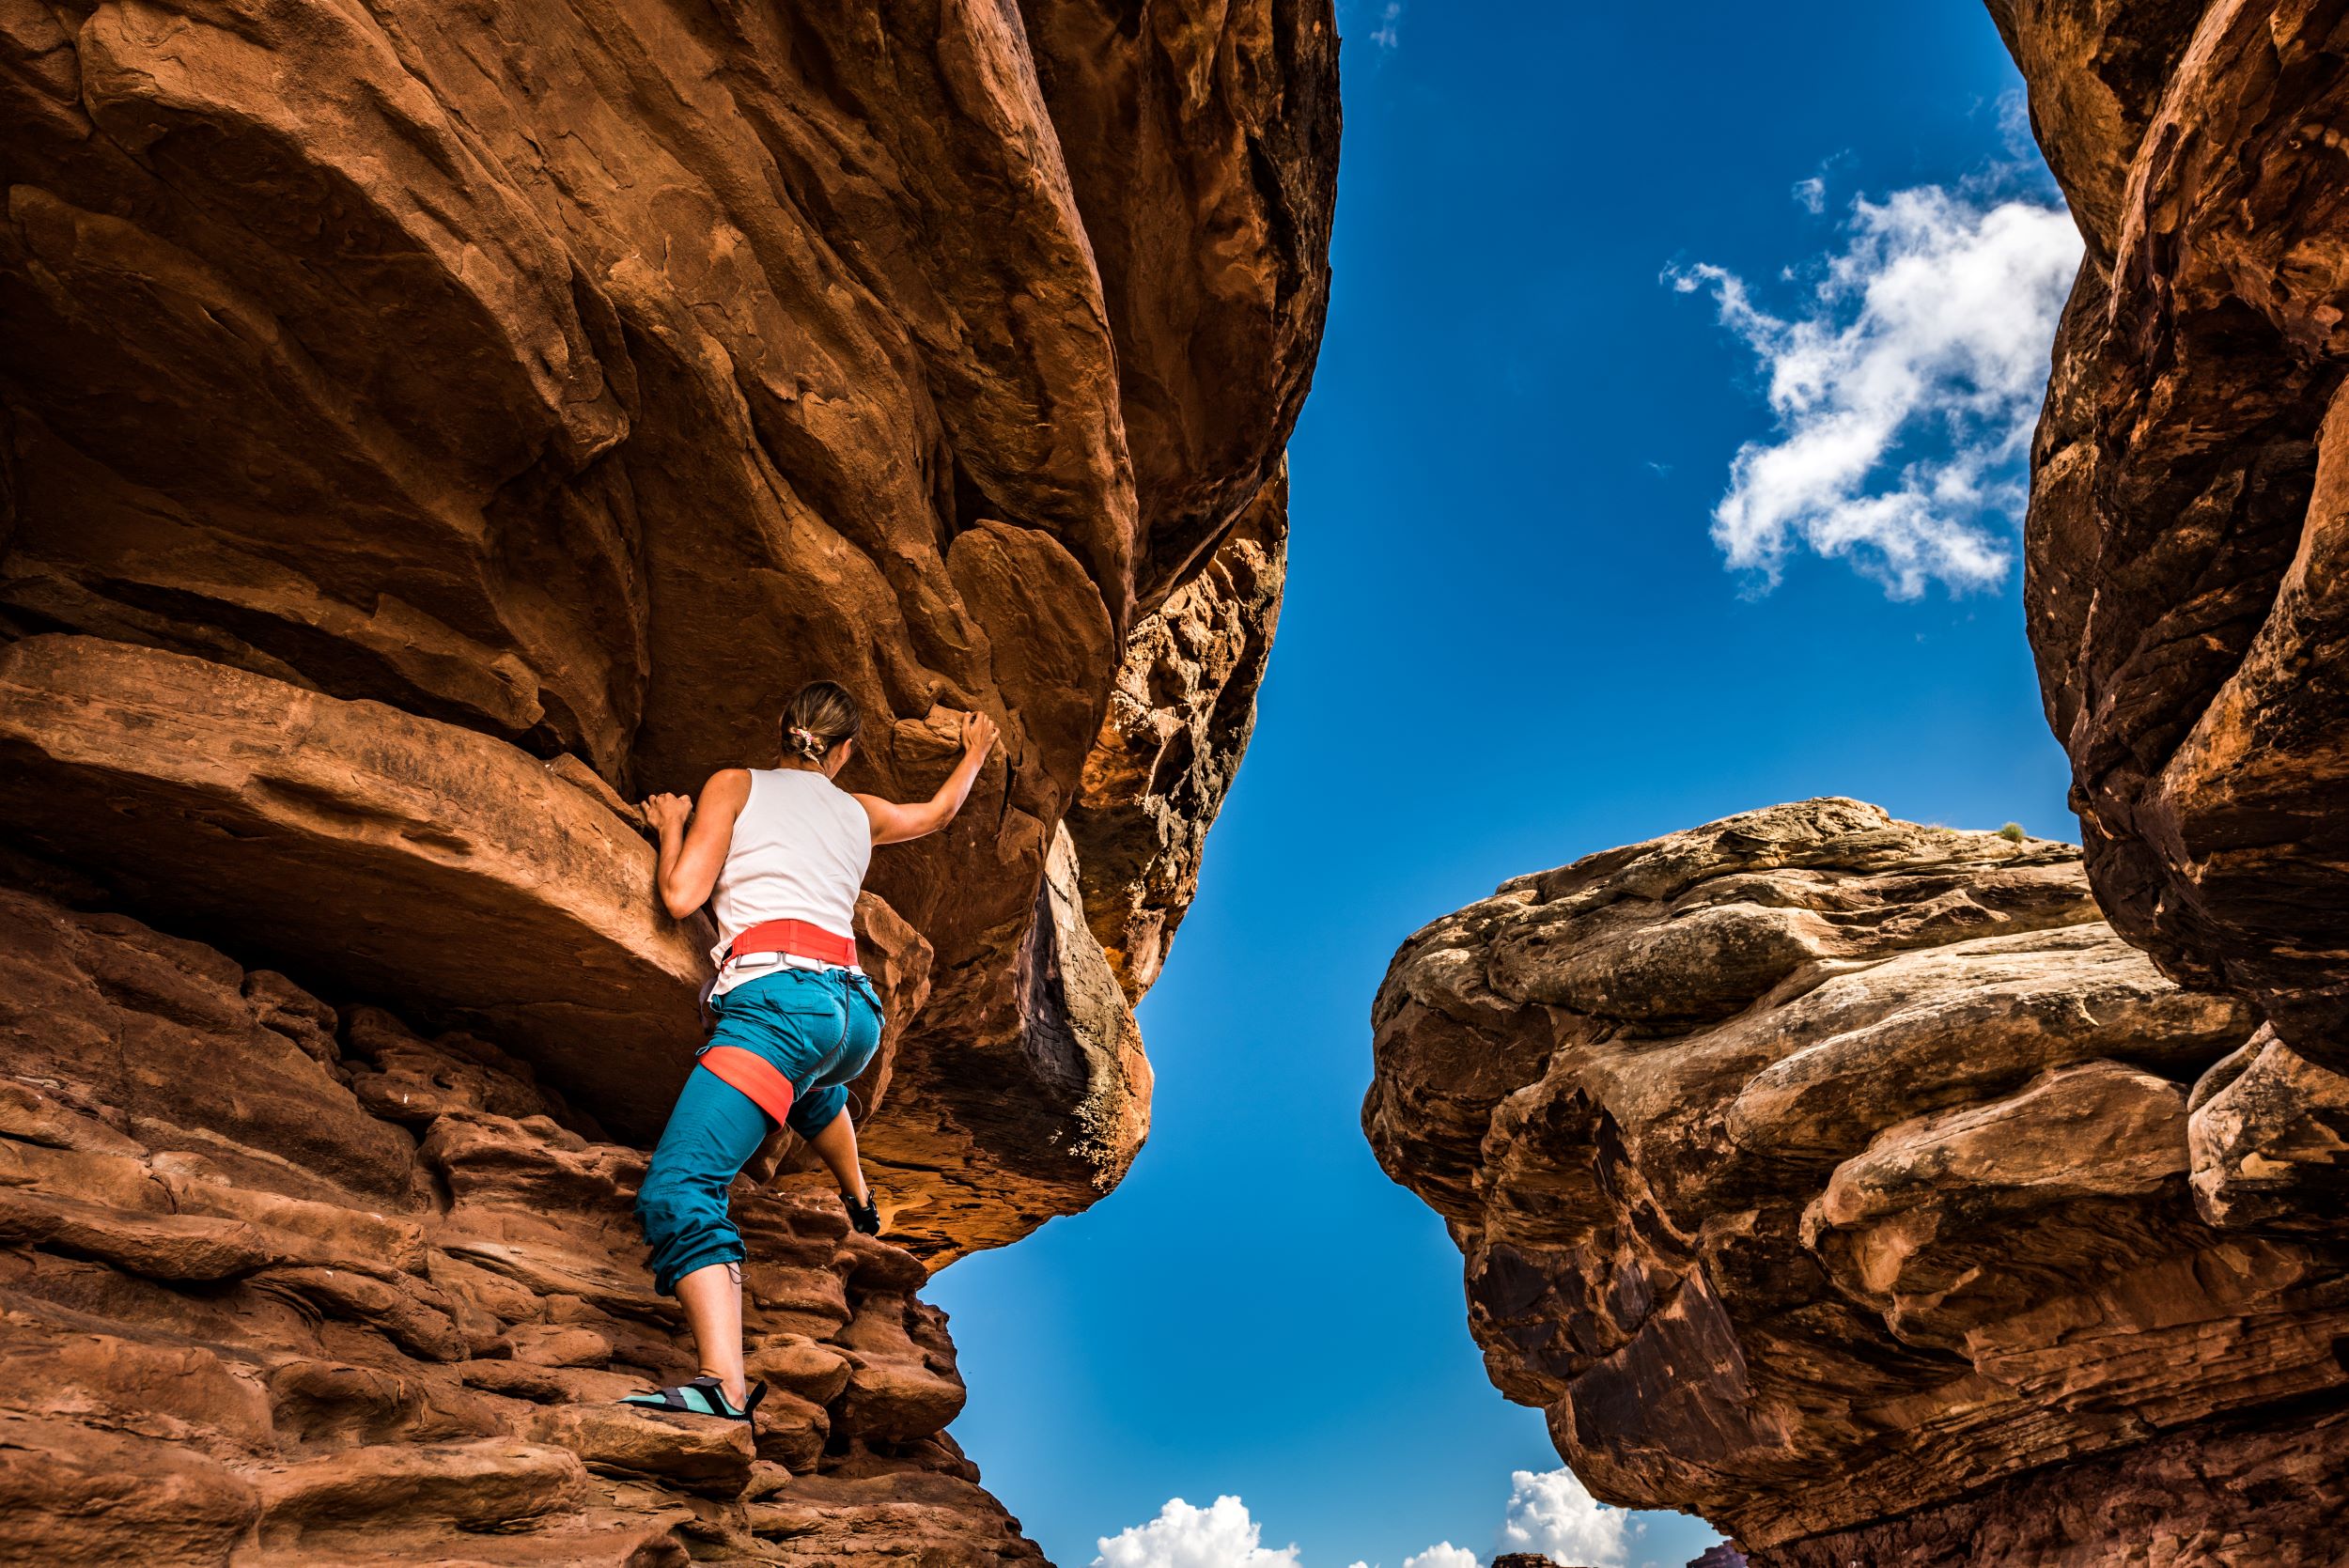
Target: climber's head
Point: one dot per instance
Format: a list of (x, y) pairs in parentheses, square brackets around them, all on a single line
[(819, 726)]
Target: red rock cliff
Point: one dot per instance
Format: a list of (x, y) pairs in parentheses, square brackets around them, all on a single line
[(2189, 516), (424, 430)]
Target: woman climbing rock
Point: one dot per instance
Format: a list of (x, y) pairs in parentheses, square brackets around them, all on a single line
[(779, 854)]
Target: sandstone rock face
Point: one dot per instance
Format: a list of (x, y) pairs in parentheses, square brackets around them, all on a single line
[(1178, 722), (2189, 520), (290, 1284), (2095, 71), (429, 859), (1853, 1184), (424, 431), (489, 407)]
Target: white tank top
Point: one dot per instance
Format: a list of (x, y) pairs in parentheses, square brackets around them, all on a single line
[(799, 852)]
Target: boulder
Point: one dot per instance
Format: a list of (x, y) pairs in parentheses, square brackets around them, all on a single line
[(1850, 1182), (425, 432)]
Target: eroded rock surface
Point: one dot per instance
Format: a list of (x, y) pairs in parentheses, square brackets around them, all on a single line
[(580, 389), (289, 1284), (2189, 520), (1853, 1184), (1170, 748)]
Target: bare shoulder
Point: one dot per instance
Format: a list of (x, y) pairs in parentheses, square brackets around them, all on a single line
[(727, 784)]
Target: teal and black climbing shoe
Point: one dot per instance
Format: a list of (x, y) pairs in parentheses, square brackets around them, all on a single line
[(866, 1216), (703, 1396)]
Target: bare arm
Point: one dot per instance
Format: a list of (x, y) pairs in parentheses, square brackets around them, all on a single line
[(894, 824), (690, 858)]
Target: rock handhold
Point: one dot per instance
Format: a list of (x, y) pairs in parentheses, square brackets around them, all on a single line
[(709, 1458), (73, 1492), (493, 1484), (2269, 1137)]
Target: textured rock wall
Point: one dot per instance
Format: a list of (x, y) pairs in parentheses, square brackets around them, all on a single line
[(1854, 1184), (2188, 529), (1170, 747), (570, 385), (291, 1283), (426, 430)]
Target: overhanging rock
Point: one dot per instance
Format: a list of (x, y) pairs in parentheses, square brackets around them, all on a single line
[(391, 853)]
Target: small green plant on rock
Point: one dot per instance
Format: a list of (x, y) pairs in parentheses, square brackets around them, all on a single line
[(2012, 832)]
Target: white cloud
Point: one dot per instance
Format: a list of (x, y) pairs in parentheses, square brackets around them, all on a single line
[(1811, 193), (1905, 394), (1443, 1555), (1554, 1515), (1219, 1536), (1389, 32)]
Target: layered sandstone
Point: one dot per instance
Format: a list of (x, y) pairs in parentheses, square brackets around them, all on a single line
[(290, 1284), (1853, 1184), (459, 409), (2189, 527)]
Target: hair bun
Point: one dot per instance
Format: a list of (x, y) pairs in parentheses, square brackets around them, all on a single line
[(820, 718)]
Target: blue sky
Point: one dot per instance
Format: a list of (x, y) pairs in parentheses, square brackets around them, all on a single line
[(1512, 638)]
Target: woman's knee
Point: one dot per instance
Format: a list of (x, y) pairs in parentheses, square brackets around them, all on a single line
[(675, 1198)]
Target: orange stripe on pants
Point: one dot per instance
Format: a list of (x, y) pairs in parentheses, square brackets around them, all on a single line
[(754, 1074)]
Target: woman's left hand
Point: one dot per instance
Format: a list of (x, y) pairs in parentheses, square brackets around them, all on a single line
[(666, 812)]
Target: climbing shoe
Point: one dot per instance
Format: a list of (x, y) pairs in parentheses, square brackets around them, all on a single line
[(866, 1216), (703, 1396)]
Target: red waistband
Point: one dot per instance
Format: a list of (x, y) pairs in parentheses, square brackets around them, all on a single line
[(797, 938)]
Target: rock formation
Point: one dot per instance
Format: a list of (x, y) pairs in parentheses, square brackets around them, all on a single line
[(293, 1282), (579, 386), (1853, 1184), (426, 431), (1171, 744), (2189, 540)]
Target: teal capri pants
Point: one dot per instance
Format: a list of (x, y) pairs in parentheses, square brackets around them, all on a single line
[(784, 1049)]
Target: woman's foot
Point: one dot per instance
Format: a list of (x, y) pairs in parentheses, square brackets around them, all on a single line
[(863, 1213), (704, 1396)]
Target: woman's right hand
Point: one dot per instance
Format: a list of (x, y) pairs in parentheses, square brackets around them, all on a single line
[(979, 734), (667, 812), (896, 824)]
